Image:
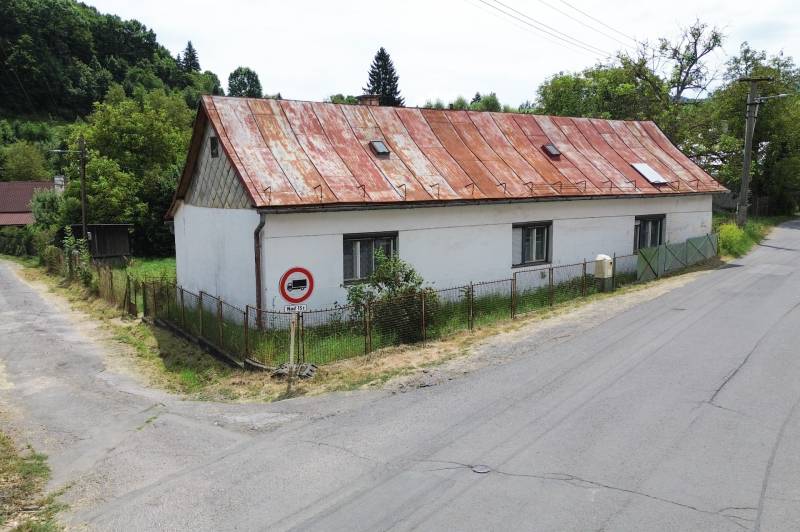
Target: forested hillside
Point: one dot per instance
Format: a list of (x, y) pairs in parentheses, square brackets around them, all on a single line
[(60, 56), (68, 70)]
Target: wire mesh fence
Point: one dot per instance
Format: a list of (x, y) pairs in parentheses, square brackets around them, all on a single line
[(269, 339)]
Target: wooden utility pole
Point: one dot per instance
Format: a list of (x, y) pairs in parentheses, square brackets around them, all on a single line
[(749, 127), (82, 155), (753, 101)]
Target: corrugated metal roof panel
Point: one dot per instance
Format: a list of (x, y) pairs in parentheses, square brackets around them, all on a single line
[(290, 153)]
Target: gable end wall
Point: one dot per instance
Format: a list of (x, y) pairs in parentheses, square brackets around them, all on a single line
[(214, 181)]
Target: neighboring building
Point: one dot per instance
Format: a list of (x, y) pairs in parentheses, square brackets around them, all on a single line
[(107, 242), (15, 201), (281, 199)]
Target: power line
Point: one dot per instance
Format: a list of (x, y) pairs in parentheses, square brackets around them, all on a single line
[(582, 23), (561, 35), (514, 22), (544, 28), (585, 14)]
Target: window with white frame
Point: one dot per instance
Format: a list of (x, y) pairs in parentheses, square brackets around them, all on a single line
[(530, 243), (360, 250), (648, 231)]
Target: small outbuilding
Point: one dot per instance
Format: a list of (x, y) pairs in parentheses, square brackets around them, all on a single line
[(107, 242), (286, 202)]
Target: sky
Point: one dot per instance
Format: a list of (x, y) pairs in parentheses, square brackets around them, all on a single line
[(310, 49)]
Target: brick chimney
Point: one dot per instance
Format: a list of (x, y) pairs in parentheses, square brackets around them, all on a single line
[(369, 99)]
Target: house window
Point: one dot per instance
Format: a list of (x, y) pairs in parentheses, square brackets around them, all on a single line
[(360, 250), (213, 143), (531, 243), (648, 231)]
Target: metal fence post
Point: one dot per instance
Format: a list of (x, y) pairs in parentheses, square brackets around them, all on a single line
[(583, 280), (155, 299), (247, 331), (220, 329), (614, 273), (514, 295), (471, 306), (144, 299), (111, 297), (424, 331), (368, 327), (551, 286), (183, 310), (301, 335), (202, 313)]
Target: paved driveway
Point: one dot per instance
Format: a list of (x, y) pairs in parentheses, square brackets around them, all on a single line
[(680, 413)]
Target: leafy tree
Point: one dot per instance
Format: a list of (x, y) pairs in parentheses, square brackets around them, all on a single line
[(460, 104), (201, 83), (487, 102), (244, 82), (24, 161), (438, 104), (475, 99), (190, 61), (48, 208), (382, 80), (341, 98)]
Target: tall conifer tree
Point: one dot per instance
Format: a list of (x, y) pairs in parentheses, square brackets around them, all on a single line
[(382, 80), (190, 61)]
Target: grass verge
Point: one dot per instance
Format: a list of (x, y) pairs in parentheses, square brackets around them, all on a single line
[(23, 475), (735, 241), (176, 365)]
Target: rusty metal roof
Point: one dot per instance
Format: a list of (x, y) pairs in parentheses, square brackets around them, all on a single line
[(296, 153)]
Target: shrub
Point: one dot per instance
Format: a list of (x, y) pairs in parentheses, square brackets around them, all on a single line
[(16, 241), (733, 240), (736, 241), (79, 261), (394, 293)]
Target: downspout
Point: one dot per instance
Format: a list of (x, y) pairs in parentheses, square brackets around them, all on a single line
[(257, 248)]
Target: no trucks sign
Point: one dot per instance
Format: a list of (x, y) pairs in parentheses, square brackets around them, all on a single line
[(296, 285)]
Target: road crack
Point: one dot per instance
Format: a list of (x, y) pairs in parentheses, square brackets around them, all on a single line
[(581, 482), (744, 361)]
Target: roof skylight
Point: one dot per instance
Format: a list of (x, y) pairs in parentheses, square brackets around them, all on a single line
[(648, 173), (379, 148), (551, 150)]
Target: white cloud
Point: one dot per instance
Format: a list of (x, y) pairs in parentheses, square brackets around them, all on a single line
[(310, 49)]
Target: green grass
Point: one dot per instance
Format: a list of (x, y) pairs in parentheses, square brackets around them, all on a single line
[(148, 268), (22, 479)]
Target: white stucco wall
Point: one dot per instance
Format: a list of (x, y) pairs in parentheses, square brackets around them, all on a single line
[(214, 252), (451, 246)]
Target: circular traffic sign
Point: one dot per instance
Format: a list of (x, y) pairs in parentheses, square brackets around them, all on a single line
[(296, 285)]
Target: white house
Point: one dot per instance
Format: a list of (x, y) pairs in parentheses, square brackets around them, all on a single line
[(285, 202)]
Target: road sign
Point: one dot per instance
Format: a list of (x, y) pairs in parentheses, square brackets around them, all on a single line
[(295, 308), (296, 285)]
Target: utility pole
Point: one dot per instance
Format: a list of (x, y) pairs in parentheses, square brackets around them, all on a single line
[(753, 101), (749, 128), (81, 151), (82, 155)]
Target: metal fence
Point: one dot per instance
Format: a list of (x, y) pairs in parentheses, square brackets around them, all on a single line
[(264, 338)]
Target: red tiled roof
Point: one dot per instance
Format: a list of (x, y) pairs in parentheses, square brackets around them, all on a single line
[(293, 153), (15, 199), (16, 218)]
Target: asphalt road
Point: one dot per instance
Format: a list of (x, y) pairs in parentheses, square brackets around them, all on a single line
[(680, 413)]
